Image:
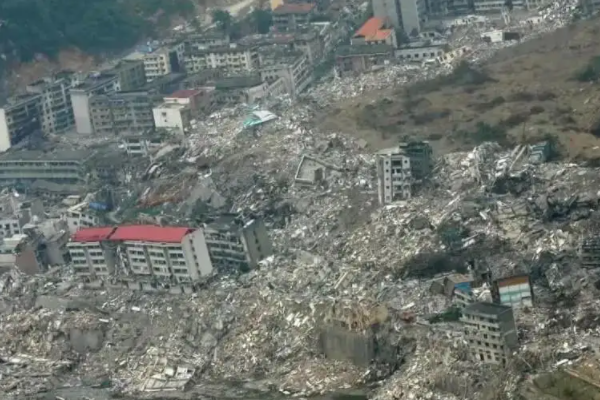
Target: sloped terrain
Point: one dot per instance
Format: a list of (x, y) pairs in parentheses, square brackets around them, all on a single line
[(542, 87)]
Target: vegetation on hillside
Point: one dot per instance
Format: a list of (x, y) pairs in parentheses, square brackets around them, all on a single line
[(30, 27)]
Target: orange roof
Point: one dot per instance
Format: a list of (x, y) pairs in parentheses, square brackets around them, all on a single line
[(370, 27), (294, 8), (150, 233), (371, 30)]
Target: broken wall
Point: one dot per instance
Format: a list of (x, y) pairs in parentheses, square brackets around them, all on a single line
[(343, 345)]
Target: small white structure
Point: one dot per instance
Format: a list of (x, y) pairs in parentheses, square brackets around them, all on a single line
[(173, 116), (394, 175)]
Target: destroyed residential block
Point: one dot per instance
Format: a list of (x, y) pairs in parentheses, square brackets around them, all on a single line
[(590, 252), (491, 332), (514, 291), (341, 344)]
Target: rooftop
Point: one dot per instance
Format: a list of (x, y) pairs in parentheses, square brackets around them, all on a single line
[(423, 44), (151, 233), (365, 49), (95, 80), (184, 94), (19, 100), (31, 155), (294, 8), (487, 308), (172, 106), (372, 30), (237, 82), (232, 48), (92, 234)]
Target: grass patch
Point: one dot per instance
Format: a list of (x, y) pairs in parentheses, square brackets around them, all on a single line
[(591, 73), (463, 75)]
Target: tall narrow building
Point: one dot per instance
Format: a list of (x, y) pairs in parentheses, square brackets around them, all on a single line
[(408, 15)]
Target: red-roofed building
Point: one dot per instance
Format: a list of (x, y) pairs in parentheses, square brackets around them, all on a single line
[(150, 233), (375, 31), (167, 254), (288, 17), (91, 252)]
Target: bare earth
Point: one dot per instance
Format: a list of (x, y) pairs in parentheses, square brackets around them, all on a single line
[(528, 90)]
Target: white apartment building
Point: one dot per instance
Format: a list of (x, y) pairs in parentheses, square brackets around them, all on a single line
[(92, 254), (293, 67), (56, 112), (95, 84), (19, 119), (173, 117), (163, 61), (237, 245), (77, 217), (394, 175), (233, 58)]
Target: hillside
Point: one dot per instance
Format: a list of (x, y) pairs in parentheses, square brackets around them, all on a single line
[(32, 27), (540, 88)]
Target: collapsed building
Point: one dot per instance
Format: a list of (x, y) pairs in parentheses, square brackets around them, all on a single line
[(400, 168)]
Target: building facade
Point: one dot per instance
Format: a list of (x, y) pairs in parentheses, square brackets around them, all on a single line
[(357, 59), (29, 166), (240, 89), (56, 111), (19, 118), (96, 84), (406, 15), (514, 291), (122, 112), (173, 116), (237, 245), (420, 154), (92, 253), (293, 67), (291, 16), (393, 175), (491, 332), (233, 58), (164, 61), (131, 74), (146, 253)]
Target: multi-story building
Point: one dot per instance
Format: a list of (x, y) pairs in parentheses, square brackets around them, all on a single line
[(421, 51), (121, 112), (143, 144), (92, 253), (206, 40), (514, 291), (293, 67), (291, 16), (95, 84), (491, 332), (199, 101), (240, 89), (80, 216), (131, 74), (174, 117), (374, 31), (56, 111), (420, 154), (165, 253), (19, 118), (145, 253), (164, 60), (232, 58), (306, 40), (394, 175), (408, 15), (29, 166), (237, 245), (351, 60)]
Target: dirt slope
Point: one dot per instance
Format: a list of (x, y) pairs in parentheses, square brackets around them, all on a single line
[(523, 94)]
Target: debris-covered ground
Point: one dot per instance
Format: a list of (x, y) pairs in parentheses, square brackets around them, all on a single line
[(341, 258)]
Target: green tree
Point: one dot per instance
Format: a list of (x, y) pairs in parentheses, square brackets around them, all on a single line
[(223, 20), (263, 20)]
